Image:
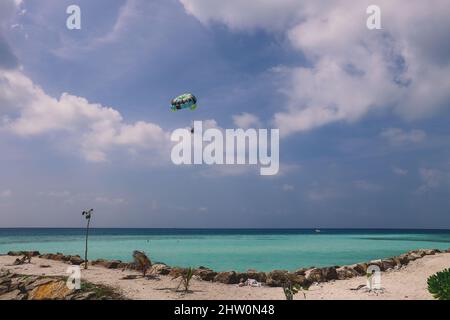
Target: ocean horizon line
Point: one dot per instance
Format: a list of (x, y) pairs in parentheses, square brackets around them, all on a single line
[(231, 228)]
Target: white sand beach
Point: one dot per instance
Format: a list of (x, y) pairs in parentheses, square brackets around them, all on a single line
[(409, 282)]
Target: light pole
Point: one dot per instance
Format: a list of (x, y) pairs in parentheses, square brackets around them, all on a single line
[(87, 214)]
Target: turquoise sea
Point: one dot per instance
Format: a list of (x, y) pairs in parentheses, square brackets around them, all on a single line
[(230, 249)]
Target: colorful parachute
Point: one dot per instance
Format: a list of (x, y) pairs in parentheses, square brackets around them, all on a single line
[(185, 101)]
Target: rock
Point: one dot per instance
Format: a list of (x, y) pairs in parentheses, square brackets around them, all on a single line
[(161, 269), (18, 262), (448, 250), (431, 252), (322, 274), (123, 266), (346, 273), (421, 253), (108, 264), (315, 275), (280, 278), (55, 257), (15, 283), (30, 284), (130, 277), (53, 290), (113, 264), (387, 264), (21, 287), (176, 272), (227, 277), (5, 279), (329, 273), (205, 274), (14, 253), (300, 280), (376, 262), (75, 260), (412, 256), (4, 288), (24, 253), (403, 258), (277, 278), (258, 276), (397, 261), (301, 271), (12, 295), (44, 266), (360, 268), (83, 296)]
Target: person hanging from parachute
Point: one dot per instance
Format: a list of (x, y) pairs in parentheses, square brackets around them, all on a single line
[(184, 101)]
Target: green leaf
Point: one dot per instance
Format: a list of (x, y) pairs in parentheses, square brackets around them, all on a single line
[(439, 285)]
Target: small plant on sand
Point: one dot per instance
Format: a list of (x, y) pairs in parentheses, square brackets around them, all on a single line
[(290, 290), (439, 285), (87, 214), (186, 277)]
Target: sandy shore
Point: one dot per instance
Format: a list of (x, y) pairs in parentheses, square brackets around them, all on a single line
[(407, 283)]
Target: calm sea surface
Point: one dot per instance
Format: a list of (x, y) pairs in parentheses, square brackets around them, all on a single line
[(229, 249)]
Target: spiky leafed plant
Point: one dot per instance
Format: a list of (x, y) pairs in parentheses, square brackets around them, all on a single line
[(439, 285), (186, 276), (290, 290), (87, 214)]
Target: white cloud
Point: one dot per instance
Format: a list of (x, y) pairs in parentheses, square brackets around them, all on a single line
[(246, 120), (366, 185), (90, 129), (55, 194), (431, 179), (352, 71), (6, 193), (288, 187), (244, 14), (7, 8), (110, 201), (399, 171), (230, 170), (321, 194), (396, 136)]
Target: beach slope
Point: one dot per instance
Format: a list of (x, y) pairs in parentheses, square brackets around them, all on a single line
[(409, 282)]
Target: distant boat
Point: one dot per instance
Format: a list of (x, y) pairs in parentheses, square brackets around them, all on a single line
[(317, 231)]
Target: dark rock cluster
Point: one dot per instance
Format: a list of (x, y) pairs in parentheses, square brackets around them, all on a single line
[(276, 278)]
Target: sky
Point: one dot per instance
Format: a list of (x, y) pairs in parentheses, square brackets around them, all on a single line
[(85, 118)]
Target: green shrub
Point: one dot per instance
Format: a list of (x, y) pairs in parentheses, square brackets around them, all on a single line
[(439, 285)]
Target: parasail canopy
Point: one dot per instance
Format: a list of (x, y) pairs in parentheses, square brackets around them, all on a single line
[(184, 101)]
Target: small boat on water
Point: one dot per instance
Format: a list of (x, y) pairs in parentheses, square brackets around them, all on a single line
[(317, 231)]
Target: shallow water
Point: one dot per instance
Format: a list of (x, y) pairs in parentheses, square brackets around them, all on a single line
[(234, 249)]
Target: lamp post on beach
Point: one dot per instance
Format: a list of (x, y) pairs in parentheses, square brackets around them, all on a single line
[(87, 214)]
